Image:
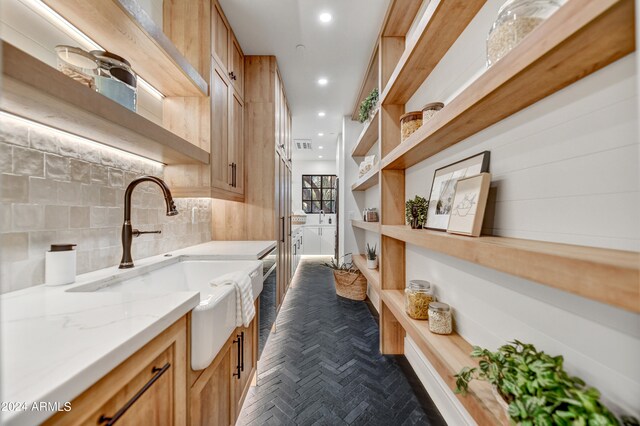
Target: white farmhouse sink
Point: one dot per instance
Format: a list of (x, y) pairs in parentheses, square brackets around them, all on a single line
[(214, 319)]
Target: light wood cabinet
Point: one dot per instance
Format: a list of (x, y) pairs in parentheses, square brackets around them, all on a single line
[(218, 391), (220, 35), (236, 143), (220, 118), (149, 387), (236, 73)]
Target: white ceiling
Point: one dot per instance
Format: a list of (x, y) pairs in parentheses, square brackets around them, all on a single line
[(338, 51)]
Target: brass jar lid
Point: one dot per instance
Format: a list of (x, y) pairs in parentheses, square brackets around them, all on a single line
[(414, 114), (433, 105)]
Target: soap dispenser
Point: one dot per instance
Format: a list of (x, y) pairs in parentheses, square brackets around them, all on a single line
[(60, 264)]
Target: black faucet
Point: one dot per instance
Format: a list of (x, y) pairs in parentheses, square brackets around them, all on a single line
[(127, 230)]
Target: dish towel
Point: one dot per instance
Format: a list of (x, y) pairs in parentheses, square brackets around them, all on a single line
[(245, 310)]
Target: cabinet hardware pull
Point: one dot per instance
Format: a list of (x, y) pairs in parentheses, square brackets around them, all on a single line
[(231, 177), (112, 420), (235, 181), (242, 350), (289, 225), (238, 357), (282, 229)]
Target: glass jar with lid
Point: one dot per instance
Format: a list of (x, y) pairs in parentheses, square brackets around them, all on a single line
[(418, 295), (516, 19), (409, 123), (78, 64), (116, 79), (440, 321), (430, 109)]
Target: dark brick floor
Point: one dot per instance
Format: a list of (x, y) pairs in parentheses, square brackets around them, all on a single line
[(322, 365)]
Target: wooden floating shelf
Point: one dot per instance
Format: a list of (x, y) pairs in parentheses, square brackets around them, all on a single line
[(368, 137), (607, 276), (435, 34), (33, 90), (448, 354), (368, 180), (372, 275), (576, 41), (369, 226), (124, 28)]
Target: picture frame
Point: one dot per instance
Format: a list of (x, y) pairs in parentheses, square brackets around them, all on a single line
[(443, 187), (469, 204)]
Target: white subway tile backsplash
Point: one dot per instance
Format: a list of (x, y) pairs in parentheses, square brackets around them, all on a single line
[(56, 190)]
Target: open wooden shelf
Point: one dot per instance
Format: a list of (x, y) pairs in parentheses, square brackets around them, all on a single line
[(369, 226), (124, 28), (368, 180), (33, 90), (368, 137), (576, 41), (372, 275), (434, 35), (448, 354), (607, 276)]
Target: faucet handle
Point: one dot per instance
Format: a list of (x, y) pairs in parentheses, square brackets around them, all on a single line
[(137, 232)]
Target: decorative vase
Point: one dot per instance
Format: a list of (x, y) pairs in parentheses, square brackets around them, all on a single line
[(372, 264), (415, 223)]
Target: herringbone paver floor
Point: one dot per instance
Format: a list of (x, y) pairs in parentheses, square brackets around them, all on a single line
[(322, 366)]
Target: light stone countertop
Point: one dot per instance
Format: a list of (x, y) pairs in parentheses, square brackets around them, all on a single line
[(55, 344)]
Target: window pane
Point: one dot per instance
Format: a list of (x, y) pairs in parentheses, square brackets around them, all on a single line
[(316, 181), (316, 207), (306, 206), (327, 194), (316, 194), (306, 194), (306, 181), (327, 206), (333, 194), (326, 181), (333, 181)]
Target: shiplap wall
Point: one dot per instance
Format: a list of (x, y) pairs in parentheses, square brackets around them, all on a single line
[(23, 27), (565, 169)]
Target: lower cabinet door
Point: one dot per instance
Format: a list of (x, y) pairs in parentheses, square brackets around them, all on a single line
[(211, 398), (248, 362)]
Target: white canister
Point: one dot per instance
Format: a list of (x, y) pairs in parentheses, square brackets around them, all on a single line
[(60, 264)]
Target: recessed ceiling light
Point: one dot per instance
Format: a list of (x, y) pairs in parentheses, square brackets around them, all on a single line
[(325, 17), (321, 114), (320, 147), (323, 81), (319, 156), (320, 134)]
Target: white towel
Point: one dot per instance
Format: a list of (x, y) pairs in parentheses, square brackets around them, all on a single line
[(241, 281)]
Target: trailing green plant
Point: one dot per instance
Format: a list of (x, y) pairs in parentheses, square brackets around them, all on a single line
[(416, 212), (371, 252), (367, 105), (536, 387), (337, 265)]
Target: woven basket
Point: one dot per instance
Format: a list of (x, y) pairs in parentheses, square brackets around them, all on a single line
[(352, 285)]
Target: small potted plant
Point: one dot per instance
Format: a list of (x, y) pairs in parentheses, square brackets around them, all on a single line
[(350, 283), (416, 212), (372, 257), (534, 389), (368, 106)]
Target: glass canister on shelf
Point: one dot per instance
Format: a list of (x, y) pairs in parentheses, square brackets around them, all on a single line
[(516, 19), (418, 296), (440, 321), (409, 123), (430, 109), (78, 64), (116, 80)]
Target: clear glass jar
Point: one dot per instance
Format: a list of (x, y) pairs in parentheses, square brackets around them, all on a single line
[(516, 19), (440, 321), (429, 110), (418, 295), (78, 64), (116, 80), (409, 123)]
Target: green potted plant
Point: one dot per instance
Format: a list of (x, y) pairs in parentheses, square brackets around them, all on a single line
[(349, 281), (372, 257), (534, 389), (416, 212), (368, 106)]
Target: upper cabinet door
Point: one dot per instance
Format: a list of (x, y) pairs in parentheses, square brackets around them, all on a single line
[(220, 36), (220, 166), (236, 143), (237, 66)]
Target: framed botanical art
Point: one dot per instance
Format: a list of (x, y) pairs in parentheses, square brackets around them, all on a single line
[(444, 185), (469, 202)]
